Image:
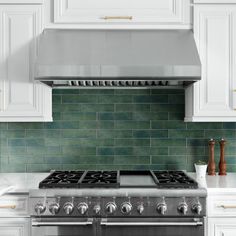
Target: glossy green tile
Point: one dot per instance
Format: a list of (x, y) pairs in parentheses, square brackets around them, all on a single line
[(111, 99), (218, 134), (105, 151), (176, 116), (131, 160), (176, 99), (56, 99), (132, 107), (78, 133), (204, 126), (132, 124), (168, 125), (113, 133), (150, 116), (97, 107), (16, 142), (25, 126), (157, 99), (79, 99), (186, 133), (78, 116), (113, 129), (115, 116), (78, 150), (164, 142), (167, 107)]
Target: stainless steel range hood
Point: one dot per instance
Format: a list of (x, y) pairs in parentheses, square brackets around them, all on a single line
[(117, 58)]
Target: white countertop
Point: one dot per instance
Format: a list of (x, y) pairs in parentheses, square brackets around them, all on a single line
[(22, 182)]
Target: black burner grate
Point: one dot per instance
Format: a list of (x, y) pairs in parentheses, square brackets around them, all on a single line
[(174, 179), (105, 179), (62, 179)]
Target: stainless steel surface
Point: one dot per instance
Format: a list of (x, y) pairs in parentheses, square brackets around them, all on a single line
[(126, 207), (183, 208), (197, 208), (162, 208), (152, 227), (80, 58), (54, 208), (152, 223), (119, 206), (111, 207), (68, 208), (39, 208), (82, 208), (63, 226)]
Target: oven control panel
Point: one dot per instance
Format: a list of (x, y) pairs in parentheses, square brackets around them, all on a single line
[(118, 206)]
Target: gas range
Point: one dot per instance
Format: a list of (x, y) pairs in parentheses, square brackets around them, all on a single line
[(118, 203), (118, 193)]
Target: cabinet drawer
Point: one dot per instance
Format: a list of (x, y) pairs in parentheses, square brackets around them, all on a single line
[(221, 206), (12, 206), (122, 11)]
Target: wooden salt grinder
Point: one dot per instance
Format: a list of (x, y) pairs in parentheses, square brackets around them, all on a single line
[(211, 162), (222, 163)]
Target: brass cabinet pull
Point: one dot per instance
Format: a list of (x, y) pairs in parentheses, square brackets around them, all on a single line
[(7, 206), (227, 206), (117, 18)]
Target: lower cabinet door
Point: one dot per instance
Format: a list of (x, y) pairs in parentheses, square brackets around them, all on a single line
[(221, 226), (14, 227)]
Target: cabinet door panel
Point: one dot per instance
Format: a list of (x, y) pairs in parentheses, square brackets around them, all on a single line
[(213, 97), (16, 227), (221, 227), (21, 99), (142, 11)]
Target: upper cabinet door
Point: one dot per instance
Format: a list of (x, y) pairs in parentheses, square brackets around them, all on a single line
[(21, 99), (213, 98), (152, 13)]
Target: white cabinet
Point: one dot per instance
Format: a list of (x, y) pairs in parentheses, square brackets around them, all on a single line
[(14, 227), (214, 97), (118, 14), (21, 99), (221, 227), (14, 216), (221, 215)]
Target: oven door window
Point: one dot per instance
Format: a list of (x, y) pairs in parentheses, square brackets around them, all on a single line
[(63, 227), (151, 227)]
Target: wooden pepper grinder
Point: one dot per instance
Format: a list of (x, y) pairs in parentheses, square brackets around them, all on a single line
[(222, 163), (211, 162)]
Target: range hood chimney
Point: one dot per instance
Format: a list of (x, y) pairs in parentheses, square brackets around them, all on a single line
[(117, 58)]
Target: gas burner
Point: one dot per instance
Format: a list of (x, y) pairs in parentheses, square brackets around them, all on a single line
[(62, 179), (173, 179), (101, 179)]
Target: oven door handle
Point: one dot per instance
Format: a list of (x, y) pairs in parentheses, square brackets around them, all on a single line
[(105, 223), (58, 223)]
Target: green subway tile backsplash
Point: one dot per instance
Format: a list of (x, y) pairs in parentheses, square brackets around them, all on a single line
[(113, 129)]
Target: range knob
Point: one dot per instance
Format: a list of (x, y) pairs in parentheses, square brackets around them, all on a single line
[(140, 209), (162, 208), (197, 208), (97, 209), (39, 208), (68, 208), (183, 208), (126, 207), (82, 208), (54, 208), (111, 207)]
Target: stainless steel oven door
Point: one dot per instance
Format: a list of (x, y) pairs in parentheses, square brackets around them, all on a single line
[(151, 227), (63, 227)]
